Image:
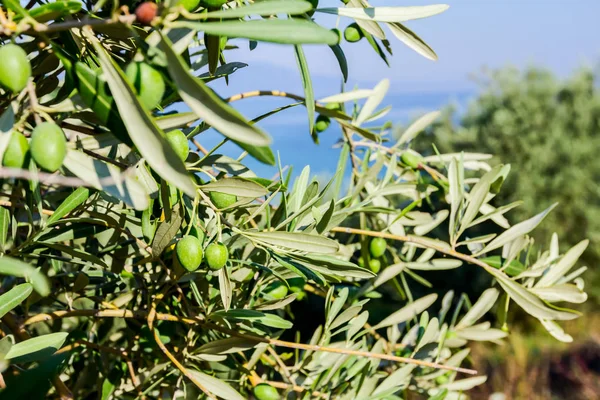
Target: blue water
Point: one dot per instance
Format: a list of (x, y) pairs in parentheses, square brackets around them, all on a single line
[(291, 138)]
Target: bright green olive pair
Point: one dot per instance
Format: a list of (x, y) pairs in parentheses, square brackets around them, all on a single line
[(189, 253)]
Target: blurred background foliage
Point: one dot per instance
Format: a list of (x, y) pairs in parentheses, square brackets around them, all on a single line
[(548, 129)]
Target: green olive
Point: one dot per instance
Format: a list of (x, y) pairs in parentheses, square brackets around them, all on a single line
[(189, 252), (276, 291), (264, 391), (216, 255), (361, 262), (377, 247), (213, 3), (411, 159), (15, 68), (16, 151), (375, 265), (189, 5), (48, 146), (179, 143), (322, 123), (352, 33), (148, 83), (222, 200)]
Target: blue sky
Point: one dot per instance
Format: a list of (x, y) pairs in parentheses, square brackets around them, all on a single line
[(561, 35)]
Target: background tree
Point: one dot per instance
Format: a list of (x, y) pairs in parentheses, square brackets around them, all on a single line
[(549, 131)]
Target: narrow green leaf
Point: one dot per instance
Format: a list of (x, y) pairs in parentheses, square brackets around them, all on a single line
[(558, 270), (4, 222), (324, 221), (485, 302), (266, 8), (13, 267), (296, 241), (216, 386), (408, 312), (146, 136), (368, 25), (556, 331), (236, 186), (176, 121), (165, 232), (208, 106), (307, 84), (36, 348), (74, 200), (387, 14), (227, 346), (413, 41), (563, 292), (341, 59), (528, 301), (477, 197), (14, 297), (106, 177), (379, 92), (517, 230), (285, 31), (348, 96), (417, 127), (465, 384)]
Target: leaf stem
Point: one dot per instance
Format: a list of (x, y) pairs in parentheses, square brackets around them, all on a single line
[(200, 321)]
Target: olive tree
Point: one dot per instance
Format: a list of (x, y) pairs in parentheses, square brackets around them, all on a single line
[(137, 265)]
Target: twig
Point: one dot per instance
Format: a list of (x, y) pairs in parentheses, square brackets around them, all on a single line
[(119, 352), (65, 26), (282, 366), (231, 332), (33, 102), (256, 93), (51, 179), (199, 146), (415, 240), (151, 317), (295, 388)]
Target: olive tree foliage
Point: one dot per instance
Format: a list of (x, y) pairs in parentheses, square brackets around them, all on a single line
[(96, 302), (548, 130)]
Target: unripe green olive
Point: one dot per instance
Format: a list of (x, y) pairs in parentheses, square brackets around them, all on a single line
[(213, 3), (222, 200), (276, 291), (375, 265), (377, 247), (148, 84), (322, 123), (216, 256), (189, 5), (411, 159), (48, 146), (264, 391), (189, 252), (15, 68), (16, 151), (352, 33), (179, 143)]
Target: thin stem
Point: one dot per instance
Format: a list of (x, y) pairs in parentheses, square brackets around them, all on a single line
[(33, 101), (282, 366), (415, 240), (65, 26), (151, 317), (273, 342), (257, 93)]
